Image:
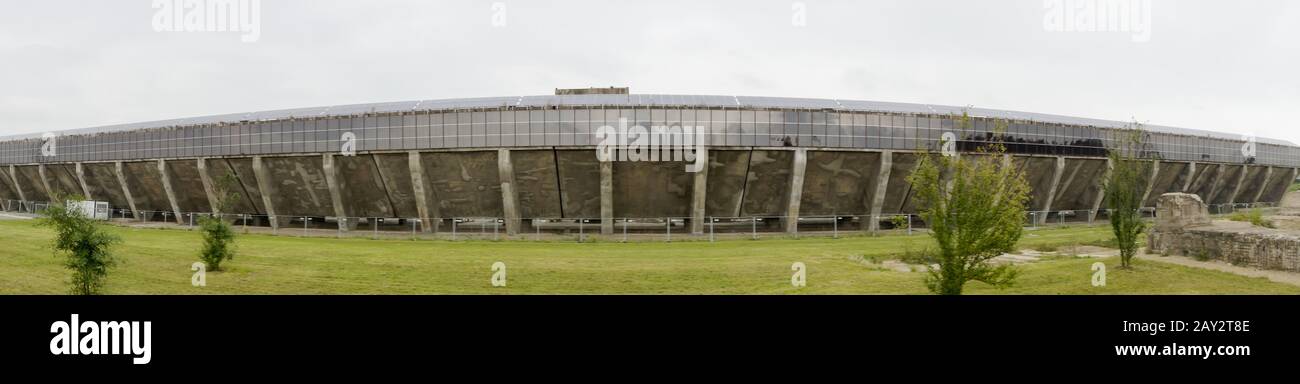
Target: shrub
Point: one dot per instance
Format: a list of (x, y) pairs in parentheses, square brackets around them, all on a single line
[(84, 243)]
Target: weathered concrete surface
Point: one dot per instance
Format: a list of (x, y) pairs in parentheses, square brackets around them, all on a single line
[(101, 179), (579, 174), (1252, 185), (899, 199), (1228, 182), (1039, 172), (298, 185), (537, 184), (652, 190), (422, 194), (767, 184), (1171, 178), (1207, 176), (146, 186), (244, 184), (396, 173), (839, 183), (7, 189), (187, 185), (464, 184), (29, 180), (63, 179), (1081, 187), (1183, 227), (727, 173), (362, 187), (1278, 183)]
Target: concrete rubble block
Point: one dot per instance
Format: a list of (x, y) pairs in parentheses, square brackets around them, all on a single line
[(1179, 211)]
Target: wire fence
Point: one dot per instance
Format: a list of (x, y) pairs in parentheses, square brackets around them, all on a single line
[(622, 229)]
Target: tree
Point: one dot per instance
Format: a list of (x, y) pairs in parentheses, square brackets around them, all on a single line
[(1125, 188), (83, 242), (218, 236), (975, 206)]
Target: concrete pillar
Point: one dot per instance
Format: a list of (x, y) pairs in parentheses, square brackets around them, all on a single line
[(422, 206), (81, 180), (509, 193), (796, 190), (167, 189), (1191, 176), (700, 195), (1101, 194), (882, 187), (13, 177), (40, 169), (1051, 191), (1241, 179), (264, 185), (336, 192), (209, 188), (607, 197), (1268, 175), (1151, 184), (126, 190)]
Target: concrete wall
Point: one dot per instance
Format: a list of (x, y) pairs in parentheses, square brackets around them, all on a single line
[(8, 191), (556, 183)]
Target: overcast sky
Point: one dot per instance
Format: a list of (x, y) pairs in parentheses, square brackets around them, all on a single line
[(1225, 66)]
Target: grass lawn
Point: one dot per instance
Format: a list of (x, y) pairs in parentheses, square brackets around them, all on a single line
[(158, 262)]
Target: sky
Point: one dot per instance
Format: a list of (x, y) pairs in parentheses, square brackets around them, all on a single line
[(1224, 66)]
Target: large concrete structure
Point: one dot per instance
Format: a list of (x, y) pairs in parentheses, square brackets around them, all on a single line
[(528, 160)]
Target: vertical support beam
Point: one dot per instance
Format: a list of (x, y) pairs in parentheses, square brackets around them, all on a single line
[(422, 206), (1191, 176), (13, 177), (796, 190), (171, 193), (264, 186), (882, 187), (1051, 192), (607, 197), (126, 190), (40, 169), (1241, 179), (336, 191), (700, 193), (1101, 194), (1259, 192), (509, 193), (81, 179), (1151, 184), (209, 188)]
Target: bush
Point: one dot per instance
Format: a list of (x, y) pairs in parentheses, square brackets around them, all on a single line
[(1253, 216), (218, 242), (85, 245)]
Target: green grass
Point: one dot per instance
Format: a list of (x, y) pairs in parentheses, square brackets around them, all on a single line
[(158, 262), (1254, 217)]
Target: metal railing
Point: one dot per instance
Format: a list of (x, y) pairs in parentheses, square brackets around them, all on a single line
[(621, 229)]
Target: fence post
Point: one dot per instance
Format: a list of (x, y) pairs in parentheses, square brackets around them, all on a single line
[(624, 230)]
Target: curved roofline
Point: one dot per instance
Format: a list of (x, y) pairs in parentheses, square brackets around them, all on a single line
[(639, 100)]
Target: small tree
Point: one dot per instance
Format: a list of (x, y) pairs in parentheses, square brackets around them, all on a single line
[(84, 244), (1126, 186), (218, 236), (975, 206)]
